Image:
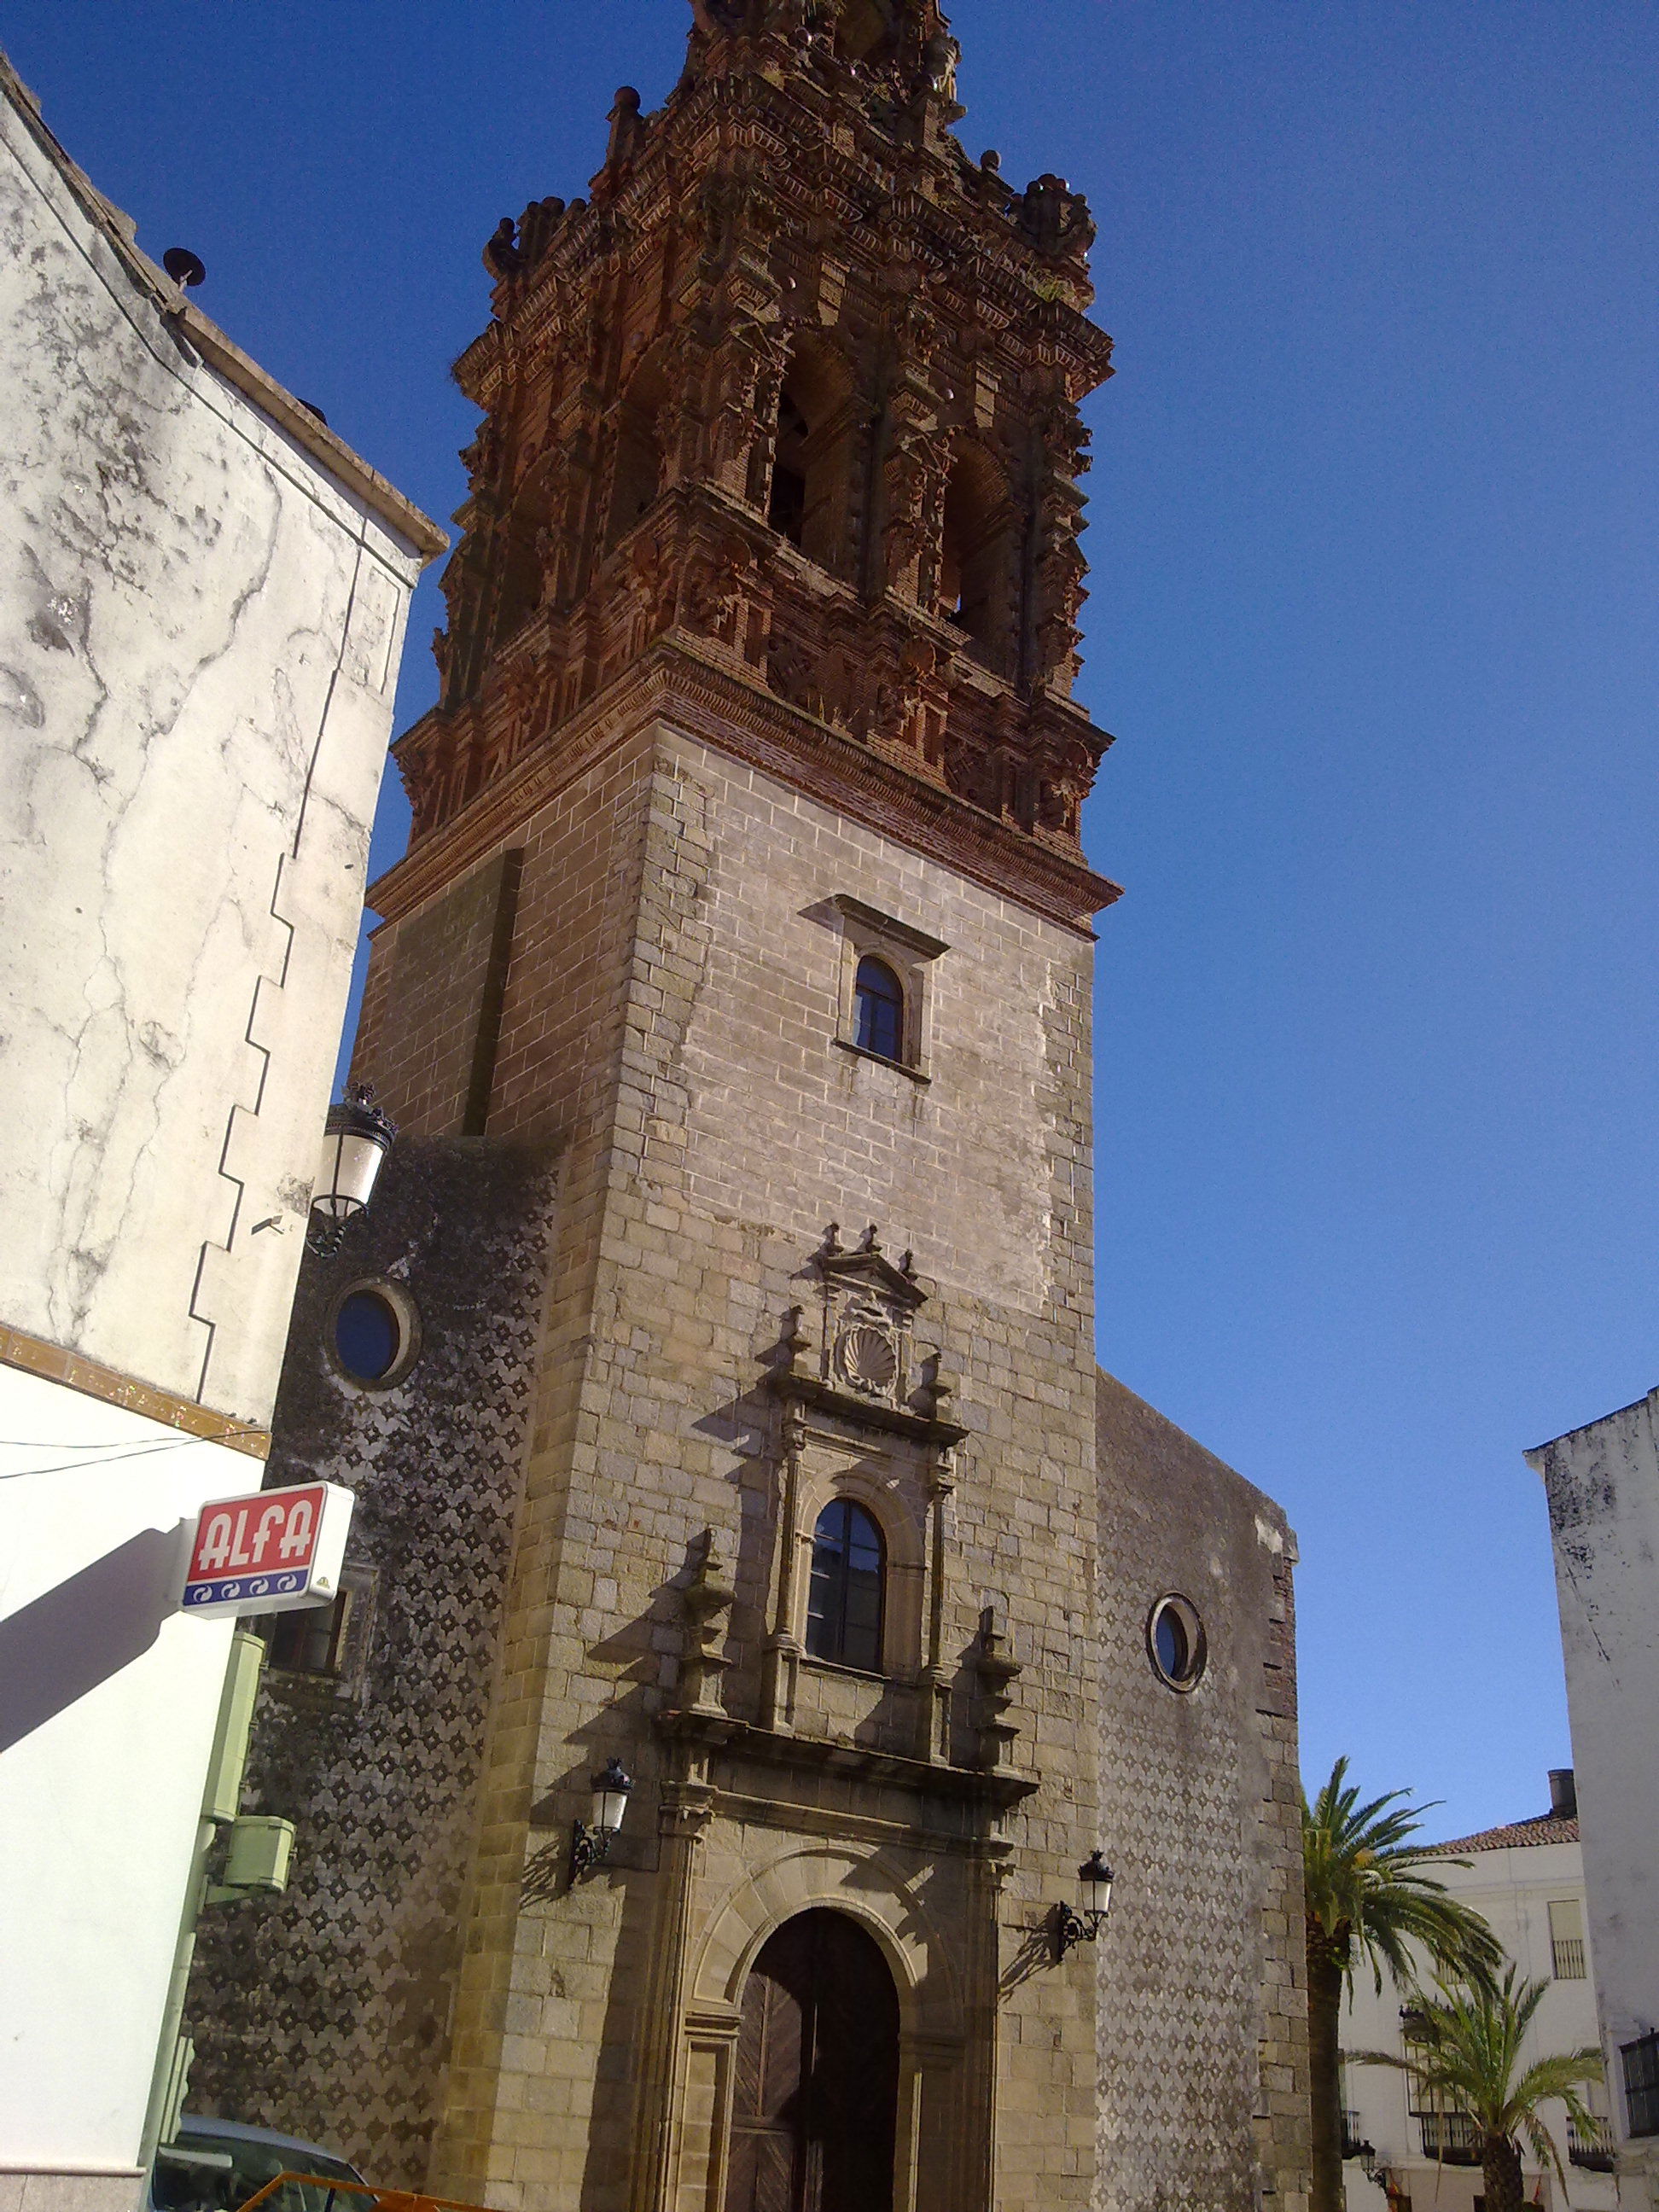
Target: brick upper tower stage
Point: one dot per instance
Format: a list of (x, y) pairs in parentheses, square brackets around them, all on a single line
[(781, 425), (733, 1000)]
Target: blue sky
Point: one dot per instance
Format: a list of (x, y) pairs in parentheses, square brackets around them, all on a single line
[(1376, 506)]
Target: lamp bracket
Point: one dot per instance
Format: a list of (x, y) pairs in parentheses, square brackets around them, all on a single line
[(323, 1237), (589, 1847), (1071, 1928)]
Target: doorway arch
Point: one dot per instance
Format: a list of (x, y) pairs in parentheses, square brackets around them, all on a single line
[(815, 2113)]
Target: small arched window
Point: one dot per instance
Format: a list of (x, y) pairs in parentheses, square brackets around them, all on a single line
[(844, 1605), (880, 1007)]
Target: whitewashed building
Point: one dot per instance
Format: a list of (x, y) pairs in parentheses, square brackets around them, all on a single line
[(203, 597), (1602, 1484), (1526, 1879)]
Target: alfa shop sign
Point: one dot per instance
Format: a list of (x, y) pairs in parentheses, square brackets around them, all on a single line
[(272, 1553)]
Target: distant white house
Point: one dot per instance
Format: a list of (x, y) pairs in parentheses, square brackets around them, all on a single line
[(1528, 1881), (1602, 1484)]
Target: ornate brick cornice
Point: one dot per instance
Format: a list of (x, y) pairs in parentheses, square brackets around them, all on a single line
[(688, 689)]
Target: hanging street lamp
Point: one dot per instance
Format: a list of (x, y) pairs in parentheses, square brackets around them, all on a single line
[(356, 1141), (590, 1841), (1075, 1925)]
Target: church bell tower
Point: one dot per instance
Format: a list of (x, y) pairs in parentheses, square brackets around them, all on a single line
[(746, 897)]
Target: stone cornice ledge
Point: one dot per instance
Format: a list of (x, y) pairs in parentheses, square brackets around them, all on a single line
[(884, 1770), (867, 1413), (711, 701)]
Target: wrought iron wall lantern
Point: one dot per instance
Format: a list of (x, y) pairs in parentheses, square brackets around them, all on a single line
[(1073, 1925), (590, 1840), (357, 1139)]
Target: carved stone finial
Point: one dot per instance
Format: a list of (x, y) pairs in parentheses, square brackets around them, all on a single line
[(998, 1670), (795, 1341), (872, 1241), (907, 1265), (624, 121), (832, 1240), (706, 1600)]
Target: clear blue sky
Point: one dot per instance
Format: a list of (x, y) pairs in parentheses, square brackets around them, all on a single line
[(1376, 502)]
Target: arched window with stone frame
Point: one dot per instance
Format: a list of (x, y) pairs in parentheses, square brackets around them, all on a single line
[(846, 1603), (880, 1008)]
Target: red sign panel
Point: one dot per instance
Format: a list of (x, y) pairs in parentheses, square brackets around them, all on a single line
[(266, 1554)]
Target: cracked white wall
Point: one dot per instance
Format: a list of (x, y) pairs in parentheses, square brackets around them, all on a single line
[(199, 635), (1602, 1483), (200, 624)]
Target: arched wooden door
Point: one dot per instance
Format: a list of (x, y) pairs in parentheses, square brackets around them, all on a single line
[(817, 2100)]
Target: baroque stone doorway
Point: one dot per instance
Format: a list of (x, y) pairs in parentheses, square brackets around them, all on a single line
[(817, 2077)]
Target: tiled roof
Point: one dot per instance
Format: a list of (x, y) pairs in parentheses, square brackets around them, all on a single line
[(1544, 1828)]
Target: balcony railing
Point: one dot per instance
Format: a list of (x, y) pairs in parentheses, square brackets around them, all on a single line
[(1569, 1957), (1452, 2137), (1591, 2146), (1351, 2136)]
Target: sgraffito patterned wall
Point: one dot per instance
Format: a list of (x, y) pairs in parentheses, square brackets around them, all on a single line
[(1203, 2034), (325, 2012)]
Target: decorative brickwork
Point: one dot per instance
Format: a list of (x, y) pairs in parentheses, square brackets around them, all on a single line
[(1204, 1970), (797, 390), (351, 1976)]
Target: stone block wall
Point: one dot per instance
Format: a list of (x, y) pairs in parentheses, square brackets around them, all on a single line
[(671, 1022), (682, 1045)]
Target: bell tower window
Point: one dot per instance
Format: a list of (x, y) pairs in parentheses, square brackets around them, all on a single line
[(844, 1604), (978, 557), (880, 1002), (786, 510), (814, 457), (637, 476), (864, 32)]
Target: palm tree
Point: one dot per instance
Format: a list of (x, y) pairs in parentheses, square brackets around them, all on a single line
[(1367, 1898), (1464, 2049)]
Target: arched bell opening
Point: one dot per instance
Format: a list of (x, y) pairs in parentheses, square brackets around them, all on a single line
[(815, 2114), (865, 32), (524, 556), (809, 498), (979, 558), (638, 470)]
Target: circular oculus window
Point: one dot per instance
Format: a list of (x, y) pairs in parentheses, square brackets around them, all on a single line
[(373, 1334), (1175, 1641)]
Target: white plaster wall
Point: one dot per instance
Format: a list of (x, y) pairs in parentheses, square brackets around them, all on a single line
[(199, 635), (107, 1702), (1602, 1484), (1513, 1888)]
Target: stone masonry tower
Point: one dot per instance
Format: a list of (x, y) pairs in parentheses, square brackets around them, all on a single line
[(742, 957), (762, 635)]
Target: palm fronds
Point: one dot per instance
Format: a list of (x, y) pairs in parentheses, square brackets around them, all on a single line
[(1465, 2050), (1367, 1892)]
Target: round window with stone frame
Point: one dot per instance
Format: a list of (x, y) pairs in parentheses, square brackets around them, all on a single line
[(373, 1334), (1176, 1641)]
